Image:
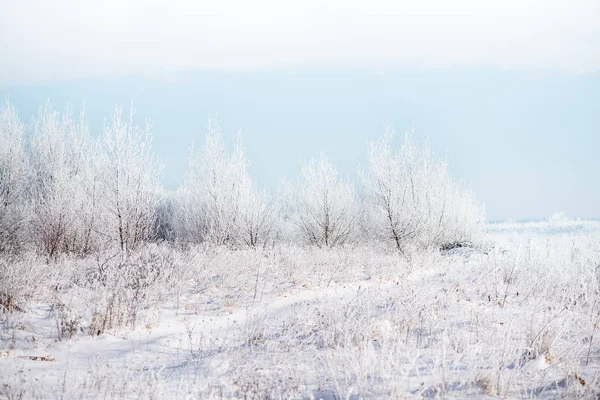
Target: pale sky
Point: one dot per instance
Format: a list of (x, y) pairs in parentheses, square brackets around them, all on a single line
[(66, 39), (509, 90)]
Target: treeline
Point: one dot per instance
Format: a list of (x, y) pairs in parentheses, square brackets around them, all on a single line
[(64, 191)]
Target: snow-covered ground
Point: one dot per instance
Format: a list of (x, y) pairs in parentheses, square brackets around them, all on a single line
[(518, 317)]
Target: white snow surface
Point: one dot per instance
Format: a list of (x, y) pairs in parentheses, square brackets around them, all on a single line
[(517, 316)]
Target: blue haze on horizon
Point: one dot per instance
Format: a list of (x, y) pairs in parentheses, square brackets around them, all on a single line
[(527, 143)]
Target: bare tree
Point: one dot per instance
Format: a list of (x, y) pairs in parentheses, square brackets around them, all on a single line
[(130, 181), (211, 192), (14, 174), (258, 215), (324, 208), (411, 197), (64, 185), (218, 202)]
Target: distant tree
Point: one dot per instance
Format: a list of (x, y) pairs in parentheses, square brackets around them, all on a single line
[(130, 182), (411, 198), (218, 201), (14, 176), (211, 191), (324, 208), (64, 185), (258, 215), (166, 214)]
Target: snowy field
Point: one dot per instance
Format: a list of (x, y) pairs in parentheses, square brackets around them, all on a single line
[(518, 317)]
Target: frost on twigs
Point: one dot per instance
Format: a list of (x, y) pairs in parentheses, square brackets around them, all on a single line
[(330, 290), (21, 280), (14, 174), (322, 208), (218, 202), (410, 197)]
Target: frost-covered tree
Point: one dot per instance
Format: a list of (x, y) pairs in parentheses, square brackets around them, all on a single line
[(211, 192), (130, 182), (64, 185), (411, 197), (258, 215), (324, 208), (14, 174), (218, 201)]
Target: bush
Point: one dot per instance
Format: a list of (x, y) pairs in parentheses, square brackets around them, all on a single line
[(123, 287), (20, 281)]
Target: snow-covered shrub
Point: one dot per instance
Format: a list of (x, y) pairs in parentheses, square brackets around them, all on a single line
[(410, 197), (124, 287), (68, 321), (107, 291), (21, 281)]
